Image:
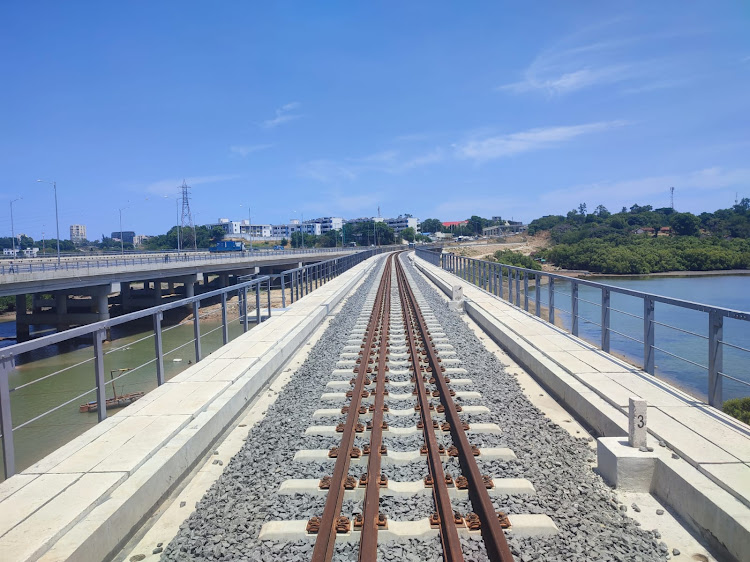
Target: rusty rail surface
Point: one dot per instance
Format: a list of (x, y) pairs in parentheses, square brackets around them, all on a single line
[(332, 522), (425, 363), (490, 521)]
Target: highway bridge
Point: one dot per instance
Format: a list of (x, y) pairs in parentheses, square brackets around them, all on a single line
[(80, 289)]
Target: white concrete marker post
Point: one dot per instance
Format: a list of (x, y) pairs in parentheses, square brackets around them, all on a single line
[(457, 298), (637, 422)]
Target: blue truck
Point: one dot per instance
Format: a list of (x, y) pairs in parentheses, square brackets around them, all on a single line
[(227, 246)]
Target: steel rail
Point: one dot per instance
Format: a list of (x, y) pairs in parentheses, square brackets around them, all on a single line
[(326, 539), (492, 532), (368, 540), (449, 538)]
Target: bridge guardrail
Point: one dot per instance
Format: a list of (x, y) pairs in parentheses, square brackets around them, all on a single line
[(31, 265), (491, 276), (302, 280)]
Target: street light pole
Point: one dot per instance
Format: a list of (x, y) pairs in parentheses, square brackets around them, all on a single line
[(57, 219), (122, 243), (12, 229)]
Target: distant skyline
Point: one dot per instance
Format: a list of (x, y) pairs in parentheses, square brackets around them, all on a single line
[(334, 109)]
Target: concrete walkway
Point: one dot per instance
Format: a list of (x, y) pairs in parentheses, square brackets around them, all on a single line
[(703, 473), (82, 501)]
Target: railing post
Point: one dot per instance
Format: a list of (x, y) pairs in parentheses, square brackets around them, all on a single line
[(158, 348), (101, 390), (283, 292), (257, 304), (518, 287), (538, 294), (224, 325), (269, 296), (6, 421), (510, 285), (197, 329), (551, 300), (574, 308), (244, 308), (605, 319), (648, 335), (715, 359), (526, 291)]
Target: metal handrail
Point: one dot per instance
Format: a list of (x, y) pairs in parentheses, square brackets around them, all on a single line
[(499, 279), (30, 265)]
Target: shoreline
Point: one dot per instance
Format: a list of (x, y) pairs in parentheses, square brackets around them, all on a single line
[(589, 275)]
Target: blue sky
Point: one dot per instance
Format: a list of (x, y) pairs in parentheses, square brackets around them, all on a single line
[(336, 108)]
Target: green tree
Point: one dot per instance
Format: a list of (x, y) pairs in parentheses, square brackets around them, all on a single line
[(685, 224), (432, 225), (408, 234)]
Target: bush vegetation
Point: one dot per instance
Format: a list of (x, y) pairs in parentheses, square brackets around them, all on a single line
[(643, 240), (738, 408)]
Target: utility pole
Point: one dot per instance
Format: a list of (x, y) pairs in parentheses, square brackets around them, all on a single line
[(186, 220), (122, 242), (57, 220), (671, 197), (12, 229)]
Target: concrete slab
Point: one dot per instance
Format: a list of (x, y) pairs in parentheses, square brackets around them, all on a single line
[(35, 534)]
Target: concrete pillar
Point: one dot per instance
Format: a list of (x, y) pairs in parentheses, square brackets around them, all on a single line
[(61, 303), (157, 292), (170, 287), (22, 326), (101, 305), (36, 302), (189, 292), (61, 311), (223, 280), (126, 297)]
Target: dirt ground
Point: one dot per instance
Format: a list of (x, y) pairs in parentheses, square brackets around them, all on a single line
[(520, 243)]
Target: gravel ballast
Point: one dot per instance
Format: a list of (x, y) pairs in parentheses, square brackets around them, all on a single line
[(227, 521)]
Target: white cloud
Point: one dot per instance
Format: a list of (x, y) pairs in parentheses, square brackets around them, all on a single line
[(246, 149), (284, 114), (387, 161), (170, 186), (694, 191), (327, 171), (585, 60), (490, 148)]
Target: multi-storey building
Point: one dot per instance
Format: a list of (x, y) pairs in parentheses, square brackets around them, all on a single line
[(400, 223), (328, 223), (127, 236), (77, 233)]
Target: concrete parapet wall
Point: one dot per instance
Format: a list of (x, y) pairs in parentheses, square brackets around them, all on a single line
[(93, 492), (701, 457)]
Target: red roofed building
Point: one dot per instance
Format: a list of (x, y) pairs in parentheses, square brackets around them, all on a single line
[(453, 224)]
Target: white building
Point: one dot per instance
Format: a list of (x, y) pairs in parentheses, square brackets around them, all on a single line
[(400, 223), (229, 226), (139, 239), (27, 253), (77, 233), (328, 223), (366, 219)]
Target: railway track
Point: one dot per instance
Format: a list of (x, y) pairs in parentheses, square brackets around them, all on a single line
[(398, 353)]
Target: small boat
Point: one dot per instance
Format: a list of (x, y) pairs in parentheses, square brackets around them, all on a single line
[(118, 402), (115, 402)]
